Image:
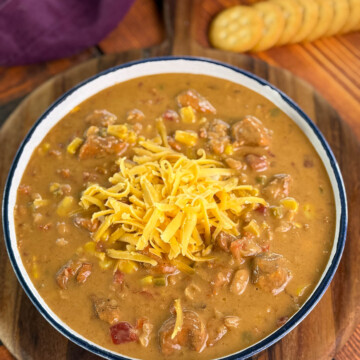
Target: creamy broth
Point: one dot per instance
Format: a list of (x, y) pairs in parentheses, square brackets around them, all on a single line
[(293, 232)]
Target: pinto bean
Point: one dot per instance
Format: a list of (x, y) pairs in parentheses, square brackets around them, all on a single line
[(223, 240), (62, 228), (232, 321), (221, 279), (84, 273), (240, 281), (135, 115), (234, 164), (145, 328), (171, 115)]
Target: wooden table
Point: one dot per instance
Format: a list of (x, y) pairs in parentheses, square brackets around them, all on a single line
[(331, 65)]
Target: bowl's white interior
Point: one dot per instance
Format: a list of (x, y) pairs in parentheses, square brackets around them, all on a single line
[(143, 69)]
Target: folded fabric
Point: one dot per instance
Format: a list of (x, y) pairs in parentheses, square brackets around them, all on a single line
[(39, 30)]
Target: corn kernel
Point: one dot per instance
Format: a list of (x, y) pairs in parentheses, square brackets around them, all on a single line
[(261, 179), (90, 247), (38, 203), (300, 291), (74, 145), (75, 110), (229, 149), (147, 280), (100, 255), (127, 266), (188, 115), (44, 148), (65, 205), (79, 251), (106, 263), (130, 247), (54, 187), (35, 268), (188, 138), (132, 137), (290, 204), (183, 267), (92, 130), (207, 250), (157, 140), (160, 281), (309, 211), (105, 236), (253, 228), (120, 131), (276, 211)]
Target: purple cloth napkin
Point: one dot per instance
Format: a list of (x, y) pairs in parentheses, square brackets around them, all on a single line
[(38, 30)]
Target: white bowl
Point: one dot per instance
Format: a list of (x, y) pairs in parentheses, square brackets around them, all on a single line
[(165, 65)]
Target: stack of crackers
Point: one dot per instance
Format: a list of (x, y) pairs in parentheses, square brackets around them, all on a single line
[(279, 22)]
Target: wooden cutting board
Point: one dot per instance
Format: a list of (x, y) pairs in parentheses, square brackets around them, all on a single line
[(28, 336)]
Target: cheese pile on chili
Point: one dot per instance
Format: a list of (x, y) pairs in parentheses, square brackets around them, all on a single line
[(168, 203)]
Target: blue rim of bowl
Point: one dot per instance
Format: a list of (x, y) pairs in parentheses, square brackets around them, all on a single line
[(262, 344)]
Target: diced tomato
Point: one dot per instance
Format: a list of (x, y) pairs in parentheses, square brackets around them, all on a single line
[(118, 277), (88, 224), (145, 293), (24, 189), (265, 247), (171, 115), (262, 209), (123, 332)]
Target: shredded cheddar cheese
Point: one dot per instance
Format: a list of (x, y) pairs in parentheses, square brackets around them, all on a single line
[(169, 204), (179, 318)]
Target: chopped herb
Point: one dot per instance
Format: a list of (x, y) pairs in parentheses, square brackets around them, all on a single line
[(275, 112), (261, 179), (247, 337)]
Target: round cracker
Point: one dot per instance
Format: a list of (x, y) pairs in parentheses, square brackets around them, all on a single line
[(238, 28), (310, 19), (341, 14), (353, 21), (274, 24), (326, 14), (293, 17)]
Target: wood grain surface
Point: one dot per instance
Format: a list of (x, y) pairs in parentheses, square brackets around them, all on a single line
[(328, 327)]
